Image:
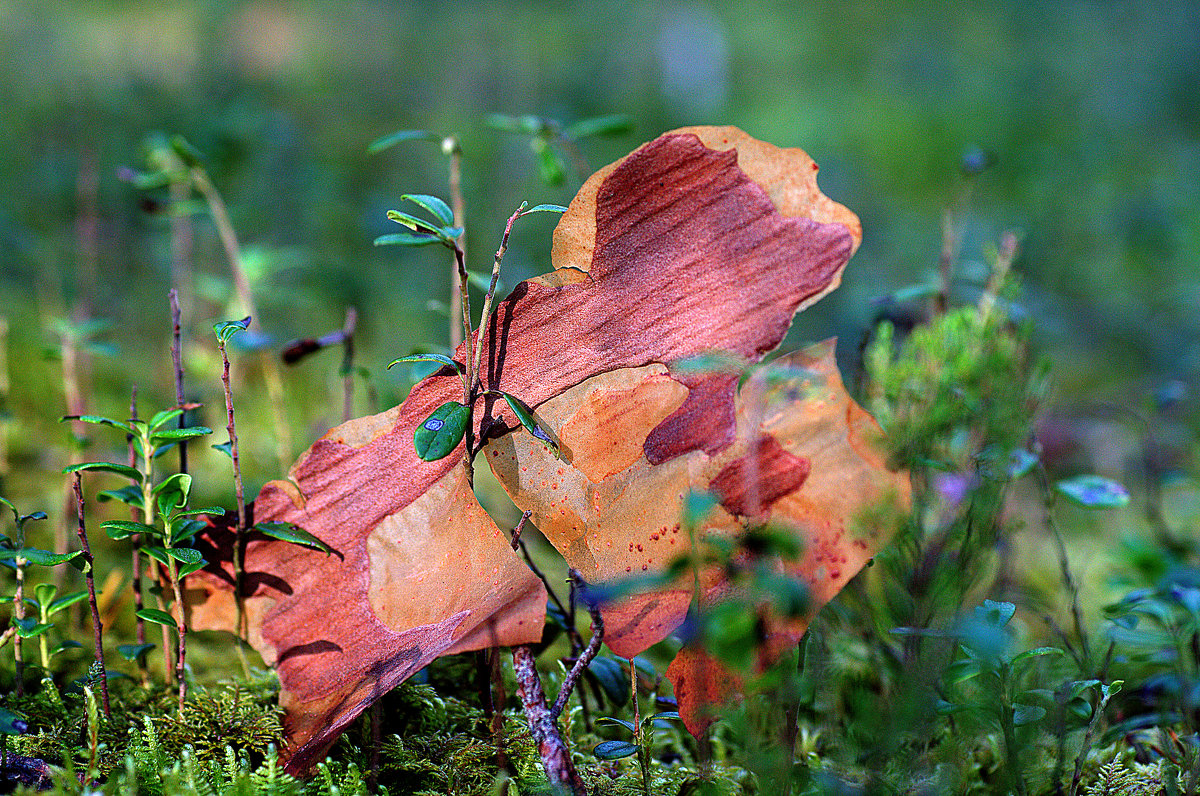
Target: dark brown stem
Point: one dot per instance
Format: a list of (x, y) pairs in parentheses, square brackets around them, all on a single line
[(584, 660), (136, 541), (97, 628), (545, 581), (516, 534), (497, 697), (348, 363), (491, 294), (177, 362), (239, 490), (554, 753)]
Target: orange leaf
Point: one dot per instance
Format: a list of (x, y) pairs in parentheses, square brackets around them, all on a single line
[(702, 239)]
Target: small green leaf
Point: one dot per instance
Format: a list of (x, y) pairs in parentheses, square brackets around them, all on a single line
[(44, 558), (287, 532), (530, 423), (227, 329), (30, 627), (439, 434), (165, 416), (172, 492), (1027, 714), (1094, 492), (420, 226), (436, 207), (159, 554), (66, 600), (399, 137), (612, 678), (158, 617), (614, 750), (134, 652), (101, 421), (123, 529), (621, 722), (225, 448), (183, 528), (130, 495), (185, 555), (210, 511), (613, 124), (544, 209), (666, 714), (407, 239), (440, 358), (177, 434), (1036, 653), (45, 593), (63, 646), (105, 467)]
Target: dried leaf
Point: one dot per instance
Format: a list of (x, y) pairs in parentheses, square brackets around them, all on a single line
[(703, 239)]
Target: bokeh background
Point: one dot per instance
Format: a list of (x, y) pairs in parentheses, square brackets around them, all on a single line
[(1075, 124)]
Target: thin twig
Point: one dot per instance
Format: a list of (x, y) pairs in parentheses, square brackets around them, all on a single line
[(516, 534), (177, 362), (491, 294), (239, 489), (1063, 562), (585, 659), (451, 146), (136, 540), (97, 627)]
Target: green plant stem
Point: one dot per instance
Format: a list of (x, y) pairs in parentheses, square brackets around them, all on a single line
[(639, 739), (1048, 499), (239, 489), (89, 577)]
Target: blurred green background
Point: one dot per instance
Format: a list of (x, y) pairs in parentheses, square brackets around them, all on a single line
[(1087, 116)]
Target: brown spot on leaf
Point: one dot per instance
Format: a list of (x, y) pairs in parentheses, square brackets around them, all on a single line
[(750, 485)]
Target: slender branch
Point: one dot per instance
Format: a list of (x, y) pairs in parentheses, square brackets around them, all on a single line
[(554, 753), (491, 294), (584, 660), (451, 146), (177, 362), (1063, 562), (97, 627), (239, 489), (136, 541)]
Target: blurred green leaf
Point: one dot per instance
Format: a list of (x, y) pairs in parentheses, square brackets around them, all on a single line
[(399, 137), (1094, 492), (603, 720), (225, 448), (158, 617), (544, 209), (130, 495), (134, 652), (407, 239), (177, 434), (613, 124)]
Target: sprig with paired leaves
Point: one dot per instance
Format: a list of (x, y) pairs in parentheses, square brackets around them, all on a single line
[(225, 330), (167, 525), (15, 555), (441, 432)]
